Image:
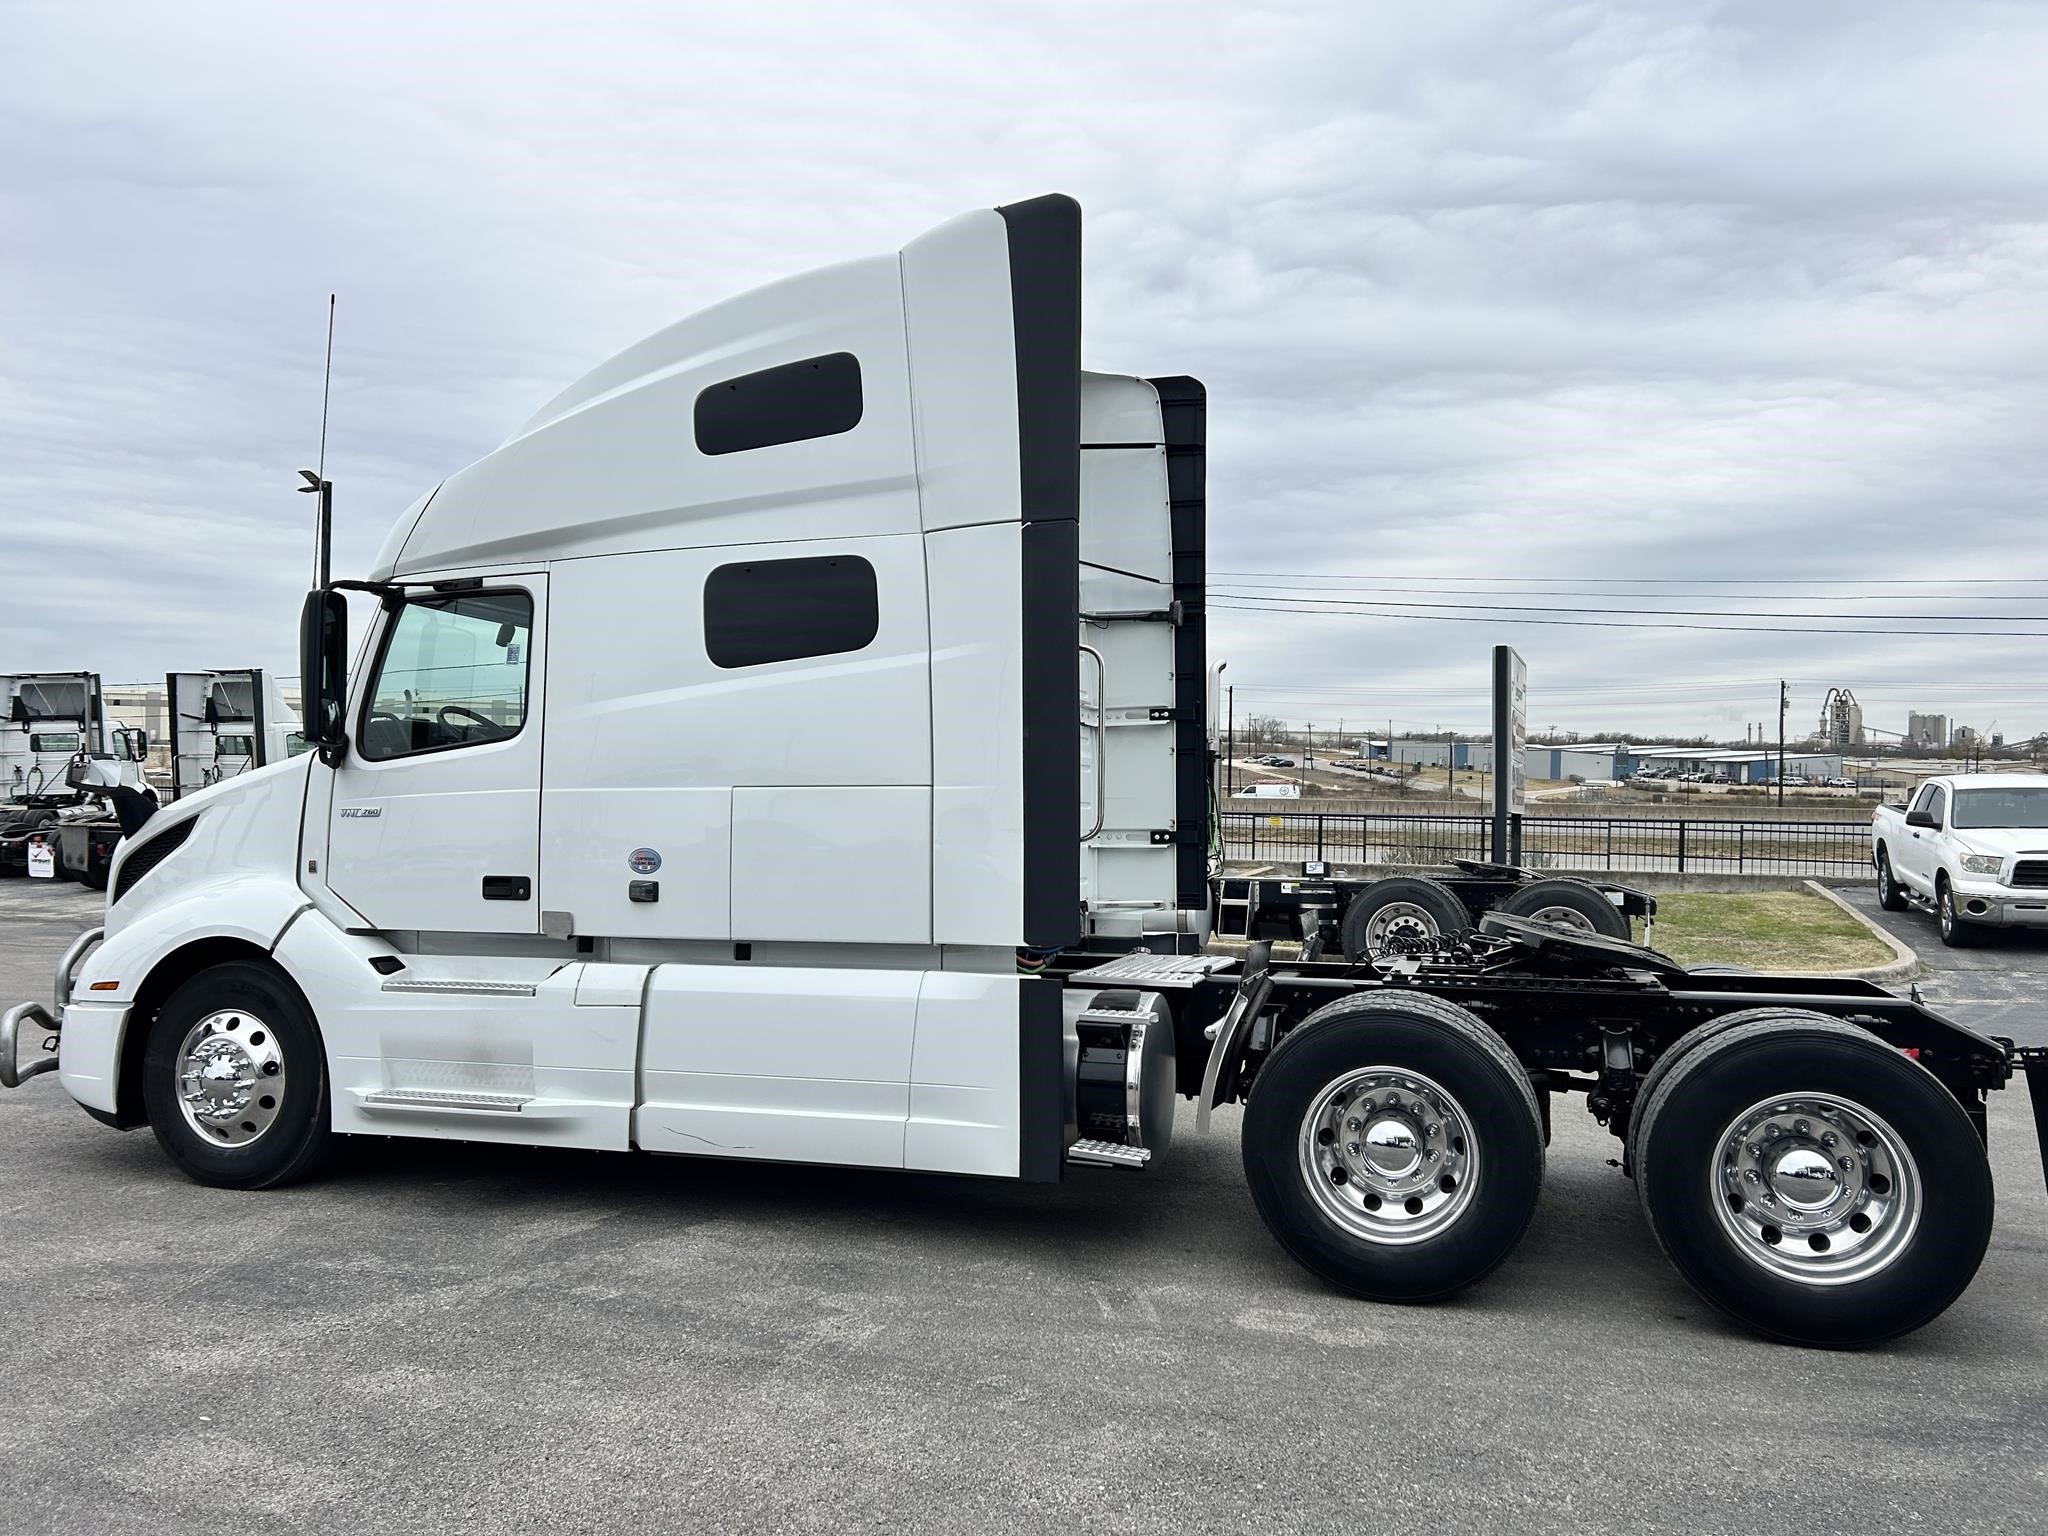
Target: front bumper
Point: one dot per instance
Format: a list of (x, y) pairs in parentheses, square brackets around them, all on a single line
[(2001, 906), (32, 1017)]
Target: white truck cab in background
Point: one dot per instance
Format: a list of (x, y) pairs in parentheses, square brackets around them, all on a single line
[(223, 723), (1972, 846)]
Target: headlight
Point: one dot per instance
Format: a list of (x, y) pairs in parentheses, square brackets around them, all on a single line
[(1981, 863)]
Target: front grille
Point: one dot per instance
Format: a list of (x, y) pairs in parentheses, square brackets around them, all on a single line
[(149, 853), (2030, 872)]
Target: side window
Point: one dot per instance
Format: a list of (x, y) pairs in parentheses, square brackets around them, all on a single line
[(818, 397), (1924, 801), (1939, 805), (58, 741), (779, 610), (452, 674)]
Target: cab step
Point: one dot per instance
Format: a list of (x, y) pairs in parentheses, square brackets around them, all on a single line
[(444, 1098), (1108, 1154)]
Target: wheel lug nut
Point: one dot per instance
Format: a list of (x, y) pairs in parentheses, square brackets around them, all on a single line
[(1772, 1130), (1429, 1154), (1846, 1164), (1351, 1147), (1431, 1129), (1755, 1150), (1828, 1138), (1354, 1124), (1801, 1127)]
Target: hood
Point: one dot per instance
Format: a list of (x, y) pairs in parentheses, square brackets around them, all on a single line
[(2024, 840)]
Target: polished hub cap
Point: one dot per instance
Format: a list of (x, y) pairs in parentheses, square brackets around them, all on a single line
[(1400, 928), (1389, 1155), (230, 1077), (1816, 1188)]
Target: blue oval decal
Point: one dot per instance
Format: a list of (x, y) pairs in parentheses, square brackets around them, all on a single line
[(643, 861)]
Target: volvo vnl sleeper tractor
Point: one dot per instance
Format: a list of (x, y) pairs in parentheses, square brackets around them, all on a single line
[(792, 744)]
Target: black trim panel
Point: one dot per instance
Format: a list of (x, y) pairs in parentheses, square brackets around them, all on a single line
[(1184, 407), (1044, 237), (790, 403), (1041, 1082)]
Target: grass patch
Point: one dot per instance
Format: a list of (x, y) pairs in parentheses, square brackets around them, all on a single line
[(1765, 931)]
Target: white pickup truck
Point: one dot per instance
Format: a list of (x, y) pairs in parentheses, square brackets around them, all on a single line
[(1973, 847)]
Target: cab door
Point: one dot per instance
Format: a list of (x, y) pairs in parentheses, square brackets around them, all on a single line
[(1918, 854), (434, 821)]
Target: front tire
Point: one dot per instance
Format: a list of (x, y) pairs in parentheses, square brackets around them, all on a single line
[(1810, 1181), (1394, 1146), (235, 1079), (1955, 932)]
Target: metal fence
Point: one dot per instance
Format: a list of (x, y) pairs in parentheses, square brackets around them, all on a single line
[(1644, 845)]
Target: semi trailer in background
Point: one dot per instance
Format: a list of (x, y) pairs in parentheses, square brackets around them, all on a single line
[(792, 743)]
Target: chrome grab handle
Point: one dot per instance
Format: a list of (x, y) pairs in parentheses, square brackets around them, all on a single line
[(67, 968), (11, 1021), (1101, 740)]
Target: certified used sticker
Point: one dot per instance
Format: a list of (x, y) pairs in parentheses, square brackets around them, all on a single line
[(643, 861)]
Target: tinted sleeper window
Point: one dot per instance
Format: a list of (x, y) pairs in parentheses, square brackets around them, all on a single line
[(817, 397), (778, 610)]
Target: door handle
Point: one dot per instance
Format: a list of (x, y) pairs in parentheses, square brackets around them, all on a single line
[(508, 888)]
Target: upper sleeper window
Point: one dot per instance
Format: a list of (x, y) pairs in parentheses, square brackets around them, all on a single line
[(817, 397), (778, 610)]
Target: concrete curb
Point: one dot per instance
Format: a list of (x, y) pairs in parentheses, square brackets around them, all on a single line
[(1905, 964)]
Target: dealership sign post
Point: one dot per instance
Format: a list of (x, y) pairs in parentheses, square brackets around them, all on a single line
[(1510, 696)]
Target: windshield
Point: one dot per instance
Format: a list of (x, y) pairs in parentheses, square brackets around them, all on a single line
[(2001, 808)]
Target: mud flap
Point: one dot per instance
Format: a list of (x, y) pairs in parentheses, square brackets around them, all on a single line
[(2037, 1090)]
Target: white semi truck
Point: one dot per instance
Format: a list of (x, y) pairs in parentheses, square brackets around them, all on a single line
[(50, 723), (223, 723), (792, 744)]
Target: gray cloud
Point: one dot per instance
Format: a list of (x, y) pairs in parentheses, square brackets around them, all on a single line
[(1567, 292)]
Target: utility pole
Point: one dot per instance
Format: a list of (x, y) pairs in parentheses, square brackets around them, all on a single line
[(1308, 751), (1784, 700), (1230, 739)]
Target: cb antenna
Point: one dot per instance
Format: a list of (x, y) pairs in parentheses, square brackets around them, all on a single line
[(317, 483)]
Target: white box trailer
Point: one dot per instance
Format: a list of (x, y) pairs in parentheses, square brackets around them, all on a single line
[(791, 744)]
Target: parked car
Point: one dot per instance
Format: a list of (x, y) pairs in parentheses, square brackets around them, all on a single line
[(1973, 847)]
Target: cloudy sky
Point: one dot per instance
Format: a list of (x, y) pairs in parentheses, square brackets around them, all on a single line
[(1638, 315)]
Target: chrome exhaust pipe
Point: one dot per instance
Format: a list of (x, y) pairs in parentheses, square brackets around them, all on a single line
[(11, 1075)]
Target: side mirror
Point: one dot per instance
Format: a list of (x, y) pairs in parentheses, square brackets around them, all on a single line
[(1923, 819), (140, 743), (323, 672)]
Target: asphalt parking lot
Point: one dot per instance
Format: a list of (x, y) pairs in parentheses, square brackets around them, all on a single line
[(437, 1338), (1999, 985)]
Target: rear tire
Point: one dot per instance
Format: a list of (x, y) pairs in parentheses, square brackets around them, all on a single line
[(235, 1079), (1889, 896), (1394, 1146), (1402, 914), (1571, 904), (1740, 1161)]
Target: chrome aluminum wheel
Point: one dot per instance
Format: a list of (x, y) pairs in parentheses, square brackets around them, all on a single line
[(1564, 917), (231, 1077), (1401, 928), (1389, 1156), (1816, 1188)]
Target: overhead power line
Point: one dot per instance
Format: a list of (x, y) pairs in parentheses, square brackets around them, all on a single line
[(1333, 609), (1679, 581), (1254, 593)]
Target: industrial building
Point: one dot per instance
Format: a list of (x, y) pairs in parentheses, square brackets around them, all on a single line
[(1597, 761), (1927, 730)]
